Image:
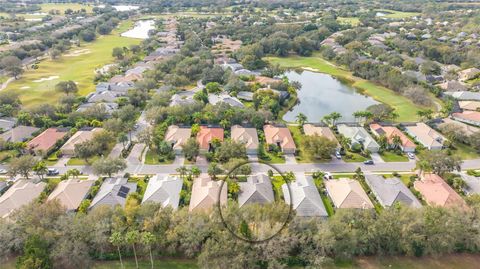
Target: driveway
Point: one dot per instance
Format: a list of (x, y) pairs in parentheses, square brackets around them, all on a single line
[(290, 159), (135, 156), (376, 158)]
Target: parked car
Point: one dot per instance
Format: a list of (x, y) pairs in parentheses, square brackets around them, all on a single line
[(52, 172), (338, 155), (368, 162), (3, 171), (411, 156), (327, 175)]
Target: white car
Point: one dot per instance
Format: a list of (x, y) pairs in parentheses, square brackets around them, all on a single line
[(411, 156), (327, 175)]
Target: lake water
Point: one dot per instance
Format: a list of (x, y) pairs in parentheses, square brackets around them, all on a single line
[(321, 94), (125, 8), (140, 30)]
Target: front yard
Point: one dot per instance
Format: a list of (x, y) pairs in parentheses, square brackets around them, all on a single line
[(389, 156)]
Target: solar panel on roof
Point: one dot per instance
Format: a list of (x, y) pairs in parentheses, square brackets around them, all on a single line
[(123, 191)]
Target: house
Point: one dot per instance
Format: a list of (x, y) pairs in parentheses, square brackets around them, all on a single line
[(113, 192), (164, 189), (102, 97), (347, 193), (266, 81), (70, 193), (79, 137), (469, 105), (206, 135), (304, 198), (224, 98), (102, 87), (257, 189), (7, 123), (467, 129), (426, 136), (45, 141), (20, 133), (437, 192), (207, 193), (313, 129), (470, 117), (360, 136), (19, 194), (247, 136), (280, 136), (465, 95), (244, 95), (182, 98), (391, 191), (472, 184), (390, 132), (468, 74), (177, 136), (453, 86)]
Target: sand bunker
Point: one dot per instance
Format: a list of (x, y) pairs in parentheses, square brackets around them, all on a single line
[(25, 87), (76, 53), (45, 79)]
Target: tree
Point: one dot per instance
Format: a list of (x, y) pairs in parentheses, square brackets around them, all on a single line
[(66, 87), (440, 163), (85, 150), (332, 118), (182, 170), (117, 240), (22, 165), (425, 114), (74, 172), (475, 140), (12, 65), (40, 168), (214, 170), (230, 149), (396, 142), (235, 167), (191, 149), (148, 239), (213, 87), (301, 119), (118, 53), (319, 147), (132, 238), (35, 254), (108, 166), (87, 35)]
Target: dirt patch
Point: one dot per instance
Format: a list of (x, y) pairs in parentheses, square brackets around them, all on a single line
[(46, 79), (76, 53)]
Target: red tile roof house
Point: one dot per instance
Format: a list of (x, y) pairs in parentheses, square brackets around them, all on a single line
[(390, 132), (469, 117), (206, 135), (437, 192), (281, 137), (44, 142)]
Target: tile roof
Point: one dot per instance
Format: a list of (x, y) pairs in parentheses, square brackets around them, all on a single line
[(248, 136), (275, 134), (46, 140), (426, 135), (469, 105), (114, 191), (164, 189), (468, 115), (311, 129), (205, 193), (467, 129), (70, 193), (390, 132), (358, 135), (347, 193), (19, 133), (207, 134), (305, 199), (390, 191), (436, 191), (18, 195), (77, 138), (177, 136), (257, 189)]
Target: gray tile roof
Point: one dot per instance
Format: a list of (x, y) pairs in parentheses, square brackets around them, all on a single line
[(257, 189), (19, 133), (390, 191), (164, 189), (305, 197), (113, 191)]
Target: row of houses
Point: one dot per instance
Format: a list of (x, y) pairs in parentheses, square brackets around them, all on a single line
[(206, 194)]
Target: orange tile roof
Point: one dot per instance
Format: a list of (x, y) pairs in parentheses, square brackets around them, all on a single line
[(391, 132), (207, 134), (437, 192), (468, 115), (46, 140)]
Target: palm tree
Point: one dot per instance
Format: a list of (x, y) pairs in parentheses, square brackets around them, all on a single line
[(40, 169), (301, 119), (383, 142), (335, 116), (147, 239), (132, 238), (327, 120), (74, 172), (123, 138), (396, 141), (182, 170), (117, 240)]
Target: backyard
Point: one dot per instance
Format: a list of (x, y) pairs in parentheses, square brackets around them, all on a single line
[(406, 109), (38, 86)]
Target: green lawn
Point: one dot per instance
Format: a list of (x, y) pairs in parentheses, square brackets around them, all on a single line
[(78, 161), (353, 21), (273, 158), (356, 158), (7, 155), (393, 14), (466, 152), (389, 156), (77, 68), (46, 7), (406, 109), (152, 158)]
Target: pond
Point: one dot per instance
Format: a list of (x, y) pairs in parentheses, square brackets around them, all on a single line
[(322, 94), (140, 30)]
